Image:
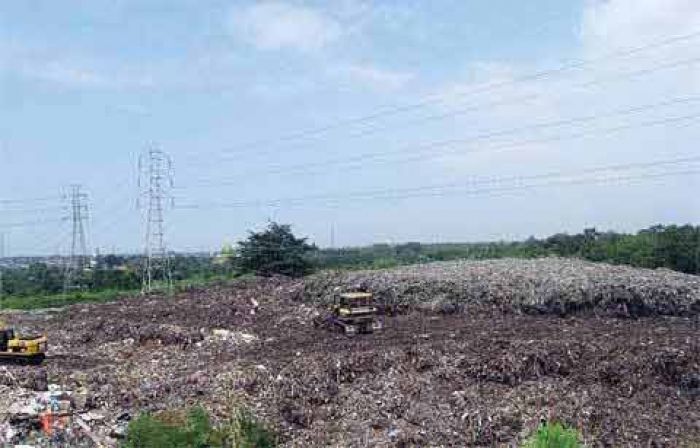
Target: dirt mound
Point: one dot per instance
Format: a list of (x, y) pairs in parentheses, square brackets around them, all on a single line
[(541, 286)]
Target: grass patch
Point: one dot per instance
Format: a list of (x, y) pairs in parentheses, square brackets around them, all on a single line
[(149, 431), (107, 295), (200, 281), (193, 429), (554, 435), (59, 300)]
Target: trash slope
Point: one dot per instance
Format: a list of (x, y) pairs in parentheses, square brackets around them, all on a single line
[(430, 379)]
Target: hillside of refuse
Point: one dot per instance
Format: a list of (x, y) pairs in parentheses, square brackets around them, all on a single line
[(472, 354), (540, 286)]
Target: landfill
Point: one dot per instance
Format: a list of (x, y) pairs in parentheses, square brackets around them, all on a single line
[(472, 354), (545, 285)]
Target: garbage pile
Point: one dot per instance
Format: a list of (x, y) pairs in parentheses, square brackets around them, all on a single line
[(539, 286), (455, 381), (428, 379), (50, 418)]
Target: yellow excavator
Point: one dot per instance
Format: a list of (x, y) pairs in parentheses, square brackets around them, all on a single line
[(15, 349)]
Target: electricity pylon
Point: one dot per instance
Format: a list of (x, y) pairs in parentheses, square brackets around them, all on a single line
[(155, 189), (2, 261), (78, 258)]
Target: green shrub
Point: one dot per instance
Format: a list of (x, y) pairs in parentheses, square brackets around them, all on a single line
[(553, 435), (243, 431), (194, 430), (148, 431)]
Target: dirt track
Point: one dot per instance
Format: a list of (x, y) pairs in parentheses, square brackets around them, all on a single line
[(427, 380)]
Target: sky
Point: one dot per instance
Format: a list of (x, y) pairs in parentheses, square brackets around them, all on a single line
[(355, 121)]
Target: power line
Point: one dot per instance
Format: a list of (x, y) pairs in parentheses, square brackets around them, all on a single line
[(519, 188), (37, 210), (43, 236), (481, 107), (115, 207), (684, 120), (119, 193), (118, 218), (28, 200), (529, 97), (426, 150), (408, 192), (52, 243), (50, 240), (36, 222), (434, 99), (500, 133), (496, 191)]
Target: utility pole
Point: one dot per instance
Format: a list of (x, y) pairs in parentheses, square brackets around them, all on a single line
[(78, 257), (155, 188), (2, 261)]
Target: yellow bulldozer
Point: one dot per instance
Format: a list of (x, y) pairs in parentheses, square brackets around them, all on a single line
[(15, 349), (355, 312)]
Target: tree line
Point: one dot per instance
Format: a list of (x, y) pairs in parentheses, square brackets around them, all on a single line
[(110, 272), (673, 247), (277, 251)]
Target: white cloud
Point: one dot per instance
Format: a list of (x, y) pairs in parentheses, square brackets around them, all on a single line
[(278, 26), (608, 26), (624, 23), (65, 74), (492, 90), (479, 108), (374, 77), (597, 88), (74, 74)]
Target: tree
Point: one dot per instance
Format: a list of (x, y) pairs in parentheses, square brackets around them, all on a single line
[(275, 250)]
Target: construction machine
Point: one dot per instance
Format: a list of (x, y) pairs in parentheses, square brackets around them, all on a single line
[(355, 312), (15, 349)]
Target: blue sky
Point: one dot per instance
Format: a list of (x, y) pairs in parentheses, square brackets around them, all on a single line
[(225, 86)]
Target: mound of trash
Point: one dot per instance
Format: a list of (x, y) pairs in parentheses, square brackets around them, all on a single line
[(426, 379), (538, 286)]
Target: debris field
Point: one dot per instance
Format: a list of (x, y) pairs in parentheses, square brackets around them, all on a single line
[(456, 365)]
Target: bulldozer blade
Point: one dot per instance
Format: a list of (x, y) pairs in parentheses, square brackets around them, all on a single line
[(22, 359)]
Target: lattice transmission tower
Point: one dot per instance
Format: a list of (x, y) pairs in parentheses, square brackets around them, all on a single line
[(155, 196), (78, 258), (2, 262)]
